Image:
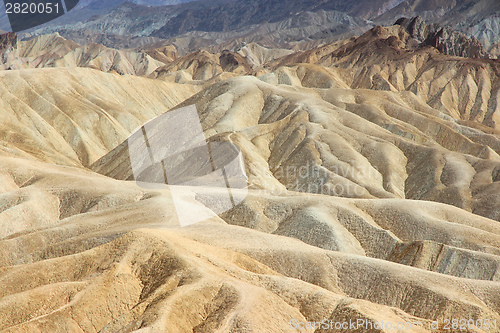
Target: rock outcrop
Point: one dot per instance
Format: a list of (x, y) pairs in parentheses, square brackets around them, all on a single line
[(8, 48)]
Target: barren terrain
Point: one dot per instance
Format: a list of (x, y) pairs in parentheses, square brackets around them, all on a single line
[(373, 172)]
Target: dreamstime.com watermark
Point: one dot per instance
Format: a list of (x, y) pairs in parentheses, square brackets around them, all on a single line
[(363, 324)]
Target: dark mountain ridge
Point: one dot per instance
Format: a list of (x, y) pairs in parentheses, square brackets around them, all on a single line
[(271, 23), (237, 14), (445, 39)]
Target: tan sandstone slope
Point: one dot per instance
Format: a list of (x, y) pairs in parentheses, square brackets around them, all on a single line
[(74, 116), (373, 194)]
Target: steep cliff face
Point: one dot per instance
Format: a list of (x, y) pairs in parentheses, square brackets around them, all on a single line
[(445, 39), (8, 46), (475, 18)]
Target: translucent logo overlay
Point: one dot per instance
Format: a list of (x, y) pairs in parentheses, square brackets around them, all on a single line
[(20, 15), (204, 178)]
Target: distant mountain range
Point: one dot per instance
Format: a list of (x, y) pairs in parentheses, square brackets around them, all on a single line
[(271, 23), (89, 8)]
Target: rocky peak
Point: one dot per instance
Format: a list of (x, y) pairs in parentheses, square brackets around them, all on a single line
[(231, 61), (8, 45), (445, 39)]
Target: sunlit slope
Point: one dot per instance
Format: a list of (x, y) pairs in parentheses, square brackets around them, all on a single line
[(383, 59), (111, 257), (343, 142), (74, 116), (52, 50), (374, 193)]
